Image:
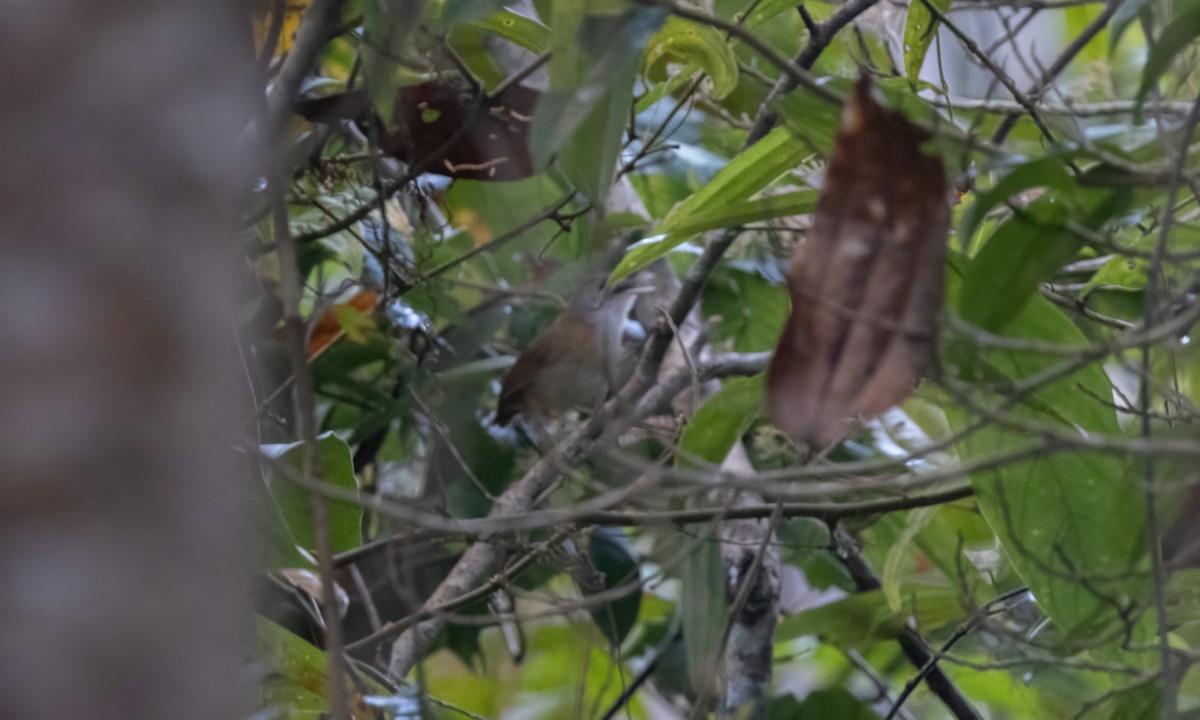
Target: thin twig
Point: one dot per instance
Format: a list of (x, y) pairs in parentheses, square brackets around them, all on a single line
[(304, 403), (315, 29), (911, 642), (819, 37), (1060, 63), (998, 605), (1151, 301)]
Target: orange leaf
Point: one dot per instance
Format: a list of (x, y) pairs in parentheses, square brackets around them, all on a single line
[(264, 22), (349, 317)]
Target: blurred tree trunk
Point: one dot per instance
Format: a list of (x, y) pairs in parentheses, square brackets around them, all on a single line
[(121, 586)]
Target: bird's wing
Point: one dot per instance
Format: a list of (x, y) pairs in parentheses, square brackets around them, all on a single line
[(517, 383)]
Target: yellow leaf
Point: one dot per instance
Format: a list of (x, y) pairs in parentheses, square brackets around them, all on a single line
[(265, 20)]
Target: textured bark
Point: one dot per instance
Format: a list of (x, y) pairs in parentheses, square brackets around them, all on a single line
[(120, 545), (748, 658)]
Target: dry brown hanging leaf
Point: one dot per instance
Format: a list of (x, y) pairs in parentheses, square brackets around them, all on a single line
[(489, 144), (866, 286)]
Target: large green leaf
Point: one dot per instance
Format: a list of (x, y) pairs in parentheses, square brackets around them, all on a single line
[(837, 703), (1143, 703), (721, 421), (516, 28), (702, 606), (770, 207), (1045, 172), (613, 555), (457, 12), (813, 120), (752, 310), (1071, 523), (746, 174), (1026, 249), (589, 158), (1178, 32), (692, 44), (582, 118), (920, 30), (1125, 15), (296, 684), (863, 619), (332, 466), (767, 10)]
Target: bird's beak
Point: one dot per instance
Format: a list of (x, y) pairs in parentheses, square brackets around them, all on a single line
[(626, 287)]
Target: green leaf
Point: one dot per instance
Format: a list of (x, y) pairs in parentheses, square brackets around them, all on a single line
[(1045, 172), (863, 619), (593, 55), (770, 207), (1071, 523), (720, 422), (516, 28), (768, 10), (457, 12), (386, 30), (835, 702), (1023, 251), (891, 577), (280, 549), (1119, 273), (296, 681), (1001, 278), (1143, 703), (702, 607), (1123, 18), (746, 174), (919, 32), (752, 310), (689, 43), (1177, 33), (613, 555), (333, 466), (589, 158), (813, 120)]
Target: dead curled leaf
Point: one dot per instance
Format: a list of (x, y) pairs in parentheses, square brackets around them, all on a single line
[(491, 143), (866, 286)]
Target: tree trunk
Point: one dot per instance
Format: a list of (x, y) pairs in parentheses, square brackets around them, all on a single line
[(121, 509)]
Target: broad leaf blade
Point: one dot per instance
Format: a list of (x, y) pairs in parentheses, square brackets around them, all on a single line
[(702, 607), (332, 466), (296, 684), (1023, 251), (920, 30), (1181, 30), (516, 28), (721, 421), (686, 42), (746, 174), (613, 556), (1072, 524), (1045, 172), (592, 56)]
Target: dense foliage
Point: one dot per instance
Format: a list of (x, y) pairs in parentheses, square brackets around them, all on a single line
[(455, 171)]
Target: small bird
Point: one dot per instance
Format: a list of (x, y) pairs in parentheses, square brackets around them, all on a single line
[(578, 359)]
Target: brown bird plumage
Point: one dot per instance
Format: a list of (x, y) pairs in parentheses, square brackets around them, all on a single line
[(576, 361)]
